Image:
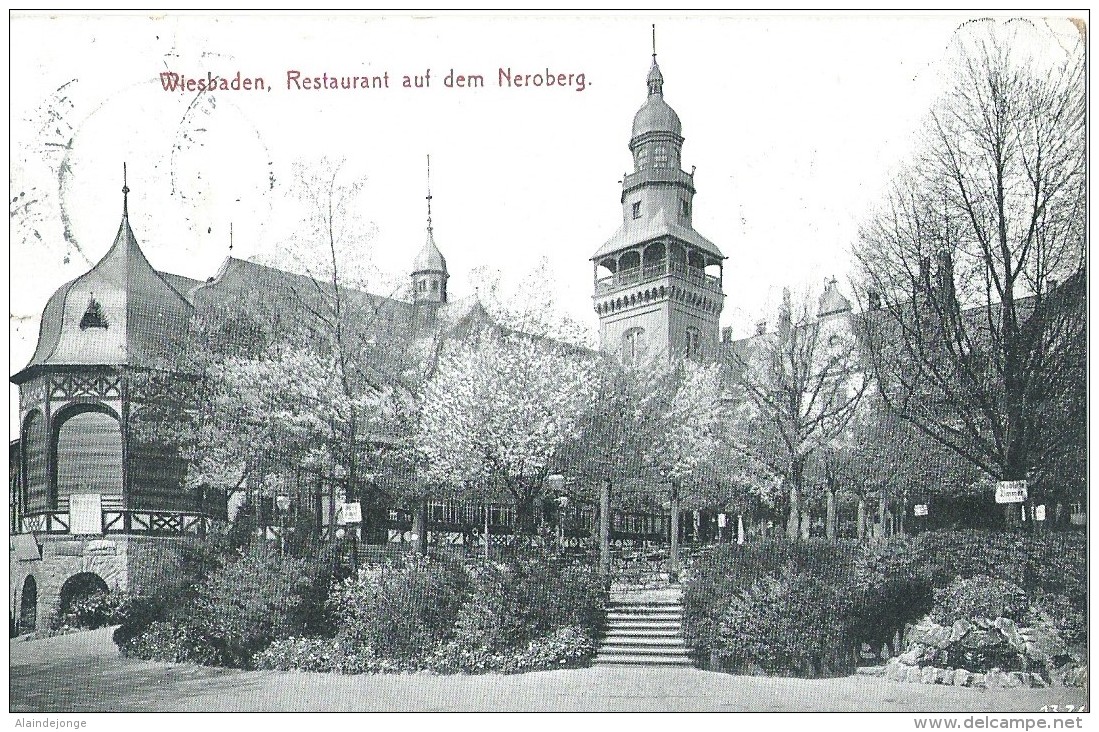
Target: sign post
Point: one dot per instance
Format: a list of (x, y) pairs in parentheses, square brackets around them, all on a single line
[(1011, 491)]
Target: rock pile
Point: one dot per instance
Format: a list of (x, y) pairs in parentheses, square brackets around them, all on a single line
[(960, 655)]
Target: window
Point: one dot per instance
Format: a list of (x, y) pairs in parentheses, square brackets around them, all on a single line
[(435, 285), (93, 316), (685, 209), (693, 343), (633, 344), (660, 156), (637, 209), (642, 156)]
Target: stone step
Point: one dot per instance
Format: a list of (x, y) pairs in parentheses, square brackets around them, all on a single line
[(640, 660), (612, 618), (666, 649), (617, 632), (645, 628), (648, 643)]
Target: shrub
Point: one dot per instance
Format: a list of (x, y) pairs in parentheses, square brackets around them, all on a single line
[(795, 625), (246, 604), (240, 608), (320, 654), (980, 597), (717, 576), (1068, 618), (95, 611), (512, 604), (402, 609), (169, 642)]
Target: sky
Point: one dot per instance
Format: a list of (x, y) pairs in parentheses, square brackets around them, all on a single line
[(794, 123)]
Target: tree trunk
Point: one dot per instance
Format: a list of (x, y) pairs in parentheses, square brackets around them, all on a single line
[(830, 515), (860, 519), (419, 527), (605, 528), (673, 560), (794, 519), (883, 508)]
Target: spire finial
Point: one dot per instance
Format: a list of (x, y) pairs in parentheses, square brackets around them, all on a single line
[(230, 238), (654, 43), (429, 192), (125, 194)]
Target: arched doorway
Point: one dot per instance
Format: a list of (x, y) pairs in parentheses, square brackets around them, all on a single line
[(80, 586), (28, 606)]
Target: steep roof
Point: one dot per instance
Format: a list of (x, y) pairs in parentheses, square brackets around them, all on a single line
[(120, 312), (635, 231)]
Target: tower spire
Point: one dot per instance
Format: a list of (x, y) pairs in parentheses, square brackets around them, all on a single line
[(655, 80), (125, 194), (429, 192)]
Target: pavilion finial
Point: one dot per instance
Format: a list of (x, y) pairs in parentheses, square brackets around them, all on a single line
[(125, 193), (429, 192)]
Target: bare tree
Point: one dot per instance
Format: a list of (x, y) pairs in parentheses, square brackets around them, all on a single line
[(795, 391), (975, 342)]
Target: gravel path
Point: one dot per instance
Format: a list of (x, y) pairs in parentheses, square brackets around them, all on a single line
[(82, 672)]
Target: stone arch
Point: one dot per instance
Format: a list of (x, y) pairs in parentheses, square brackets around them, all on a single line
[(28, 606), (35, 490), (79, 586), (87, 450)]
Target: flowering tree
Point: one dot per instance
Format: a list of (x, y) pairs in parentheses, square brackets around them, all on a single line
[(795, 391), (495, 413)]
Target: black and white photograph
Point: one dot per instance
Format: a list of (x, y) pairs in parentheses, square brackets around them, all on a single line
[(549, 362)]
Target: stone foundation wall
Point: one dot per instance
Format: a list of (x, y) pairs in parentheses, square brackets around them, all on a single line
[(128, 563)]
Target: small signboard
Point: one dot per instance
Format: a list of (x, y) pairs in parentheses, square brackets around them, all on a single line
[(26, 547), (350, 513), (721, 520), (1011, 491), (1040, 512), (920, 509), (85, 514)]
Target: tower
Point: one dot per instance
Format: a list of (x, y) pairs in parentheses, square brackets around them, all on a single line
[(101, 499), (658, 281), (429, 273)]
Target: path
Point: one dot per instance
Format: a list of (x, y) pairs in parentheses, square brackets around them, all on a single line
[(83, 673)]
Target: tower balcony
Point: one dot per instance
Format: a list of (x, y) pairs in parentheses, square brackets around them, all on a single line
[(627, 277), (667, 176)]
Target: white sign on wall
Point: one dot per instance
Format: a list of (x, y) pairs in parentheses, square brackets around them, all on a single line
[(350, 513), (1040, 512), (85, 514), (1011, 491), (920, 509)]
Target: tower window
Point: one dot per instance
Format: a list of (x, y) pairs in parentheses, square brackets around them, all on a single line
[(660, 156), (633, 344), (637, 209), (694, 343), (435, 285), (685, 208)]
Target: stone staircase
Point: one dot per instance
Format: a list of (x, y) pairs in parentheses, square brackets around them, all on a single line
[(644, 629)]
